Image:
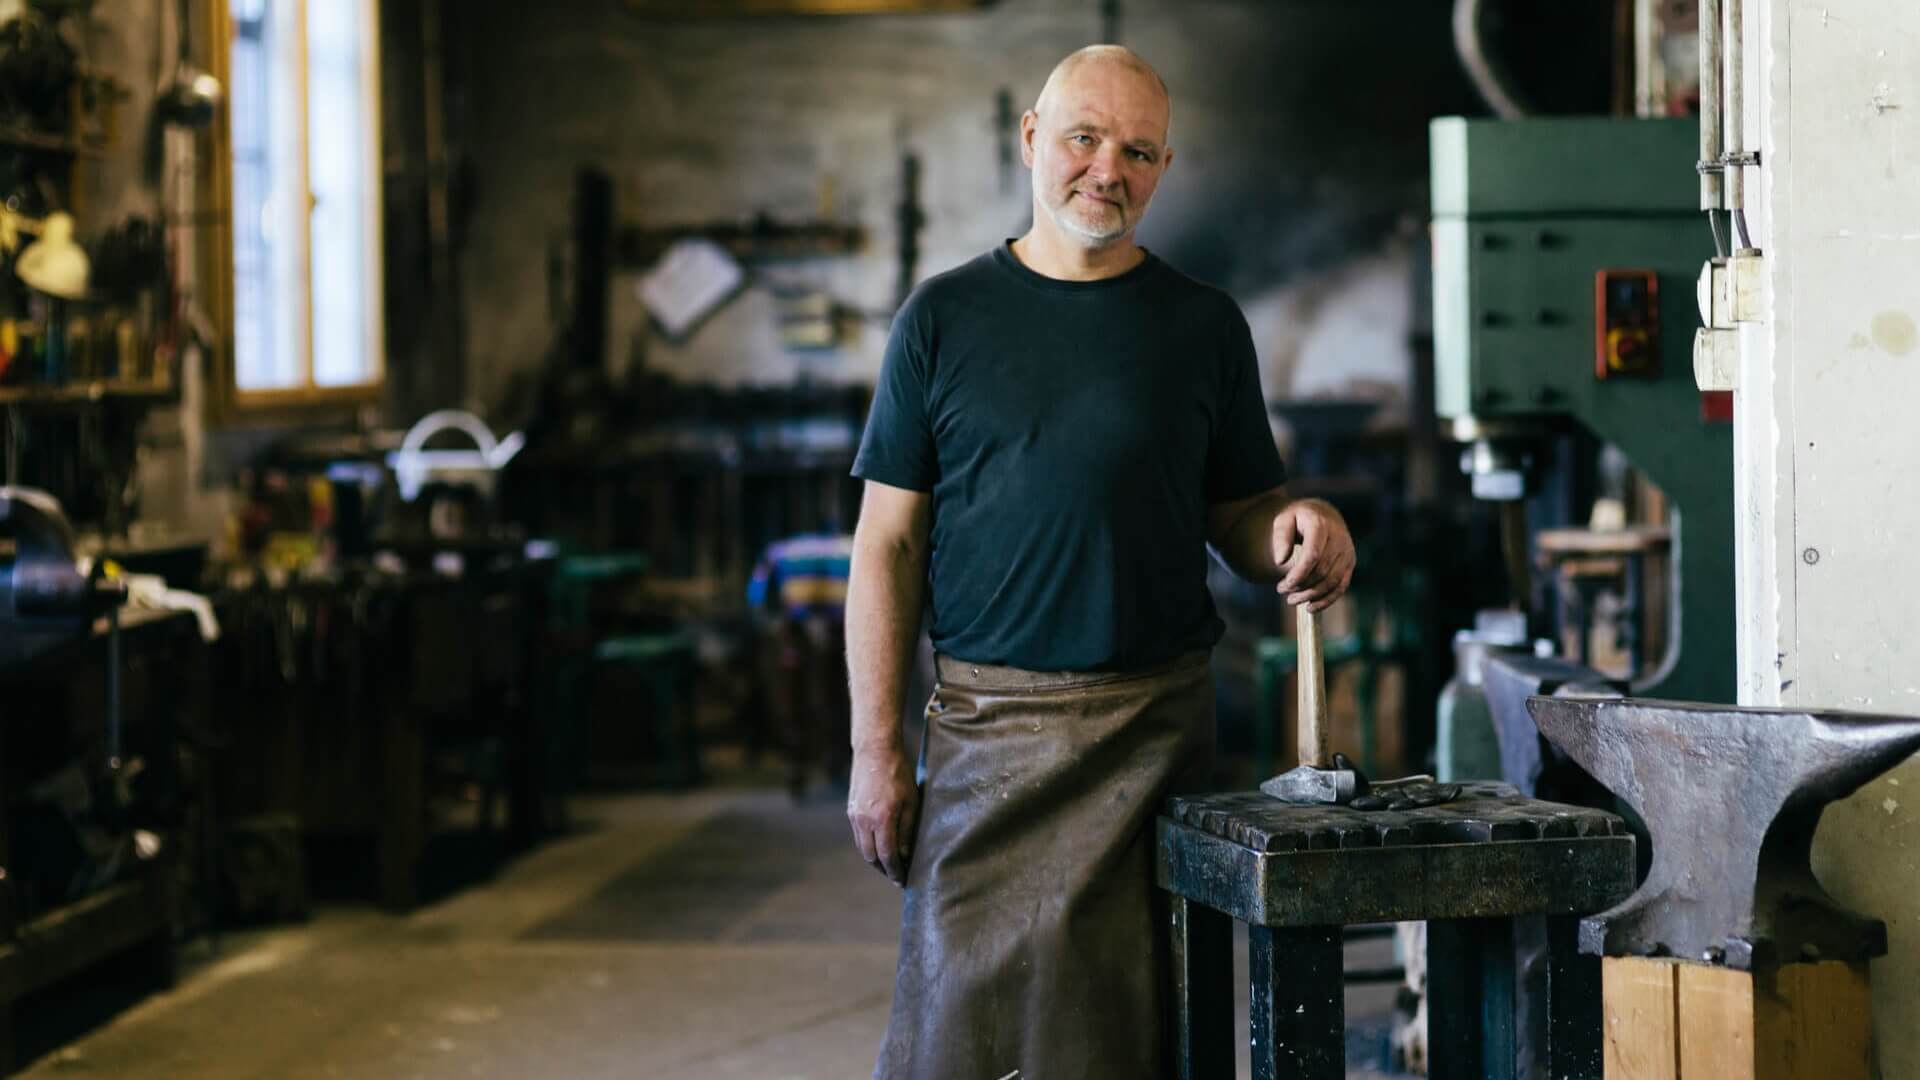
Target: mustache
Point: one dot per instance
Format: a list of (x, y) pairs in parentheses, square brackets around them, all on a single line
[(1113, 196)]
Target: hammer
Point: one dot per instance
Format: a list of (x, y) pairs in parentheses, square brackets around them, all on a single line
[(1317, 779)]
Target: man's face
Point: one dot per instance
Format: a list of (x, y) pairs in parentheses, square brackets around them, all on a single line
[(1097, 150)]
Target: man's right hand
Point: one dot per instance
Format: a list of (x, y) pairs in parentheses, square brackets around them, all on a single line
[(883, 806)]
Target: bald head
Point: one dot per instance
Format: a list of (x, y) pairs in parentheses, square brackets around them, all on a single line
[(1096, 141), (1098, 60)]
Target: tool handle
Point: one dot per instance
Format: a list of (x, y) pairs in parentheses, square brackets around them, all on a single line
[(1312, 677)]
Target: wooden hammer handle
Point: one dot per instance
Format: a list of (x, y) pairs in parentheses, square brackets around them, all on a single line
[(1312, 677)]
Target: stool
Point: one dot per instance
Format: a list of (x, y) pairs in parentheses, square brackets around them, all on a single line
[(804, 672), (1297, 874), (567, 668), (664, 662)]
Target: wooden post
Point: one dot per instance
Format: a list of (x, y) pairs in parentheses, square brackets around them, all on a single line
[(1639, 1036), (1669, 1020), (1818, 1019), (1715, 1017)]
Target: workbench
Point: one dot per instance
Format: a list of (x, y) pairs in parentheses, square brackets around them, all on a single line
[(1297, 874), (55, 712), (362, 707)]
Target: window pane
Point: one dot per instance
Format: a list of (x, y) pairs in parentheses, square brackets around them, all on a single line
[(269, 238), (341, 135)]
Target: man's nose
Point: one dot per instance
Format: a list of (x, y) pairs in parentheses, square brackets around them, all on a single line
[(1105, 167)]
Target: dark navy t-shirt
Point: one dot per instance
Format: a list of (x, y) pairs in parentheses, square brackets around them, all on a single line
[(1072, 435)]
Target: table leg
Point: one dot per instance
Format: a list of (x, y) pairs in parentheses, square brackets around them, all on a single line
[(7, 927), (1298, 1006), (1573, 1004), (403, 814), (1470, 1015), (1202, 991)]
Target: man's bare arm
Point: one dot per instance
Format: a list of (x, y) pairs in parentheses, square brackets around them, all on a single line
[(885, 589), (1301, 545)]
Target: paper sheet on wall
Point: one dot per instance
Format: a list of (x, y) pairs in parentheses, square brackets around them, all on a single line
[(692, 279)]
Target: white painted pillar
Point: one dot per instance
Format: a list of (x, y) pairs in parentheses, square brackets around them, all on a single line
[(1827, 432)]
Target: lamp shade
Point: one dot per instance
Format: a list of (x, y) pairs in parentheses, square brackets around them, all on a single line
[(54, 264)]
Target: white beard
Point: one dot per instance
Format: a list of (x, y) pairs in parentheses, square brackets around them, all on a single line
[(1092, 236)]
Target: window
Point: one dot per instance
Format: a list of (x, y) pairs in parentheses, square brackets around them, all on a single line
[(305, 191)]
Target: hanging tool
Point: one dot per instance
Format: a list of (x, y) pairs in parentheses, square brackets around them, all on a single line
[(1006, 127), (909, 217)]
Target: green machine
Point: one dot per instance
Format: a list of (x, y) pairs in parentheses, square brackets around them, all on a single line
[(1565, 252)]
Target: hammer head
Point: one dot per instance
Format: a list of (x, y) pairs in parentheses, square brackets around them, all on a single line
[(1306, 784)]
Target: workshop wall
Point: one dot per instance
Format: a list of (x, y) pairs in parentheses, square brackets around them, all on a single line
[(143, 168), (1825, 440), (133, 40), (1300, 181)]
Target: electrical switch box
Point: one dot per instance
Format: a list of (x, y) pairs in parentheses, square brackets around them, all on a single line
[(1626, 324)]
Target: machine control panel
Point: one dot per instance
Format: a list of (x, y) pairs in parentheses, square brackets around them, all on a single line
[(1626, 323)]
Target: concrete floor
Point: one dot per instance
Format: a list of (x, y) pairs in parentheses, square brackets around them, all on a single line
[(770, 957)]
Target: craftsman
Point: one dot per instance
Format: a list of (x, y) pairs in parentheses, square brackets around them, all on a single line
[(1062, 427)]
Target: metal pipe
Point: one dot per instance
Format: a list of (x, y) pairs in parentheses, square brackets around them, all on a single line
[(114, 720), (1487, 76), (1711, 194), (1736, 148), (1626, 59), (446, 332), (1649, 91)]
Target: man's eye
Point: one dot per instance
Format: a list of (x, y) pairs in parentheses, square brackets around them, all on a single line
[(1141, 155), (1083, 140)]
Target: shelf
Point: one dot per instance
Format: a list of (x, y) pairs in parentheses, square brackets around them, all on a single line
[(11, 135), (761, 239), (1632, 540), (79, 393)]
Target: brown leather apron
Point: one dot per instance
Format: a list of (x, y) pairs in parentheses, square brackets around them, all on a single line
[(1031, 944)]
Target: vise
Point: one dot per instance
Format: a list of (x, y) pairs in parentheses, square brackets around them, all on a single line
[(45, 601)]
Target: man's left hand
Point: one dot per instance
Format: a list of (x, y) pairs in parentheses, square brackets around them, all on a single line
[(1314, 552)]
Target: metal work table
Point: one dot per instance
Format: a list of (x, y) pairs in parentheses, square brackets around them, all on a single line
[(1297, 874)]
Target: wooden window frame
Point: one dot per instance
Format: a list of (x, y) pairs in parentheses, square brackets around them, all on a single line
[(228, 403)]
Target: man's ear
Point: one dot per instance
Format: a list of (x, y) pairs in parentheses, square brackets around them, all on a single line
[(1029, 123), (1166, 160)]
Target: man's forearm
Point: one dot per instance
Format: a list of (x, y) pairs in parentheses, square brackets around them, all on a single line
[(885, 588), (1248, 547)]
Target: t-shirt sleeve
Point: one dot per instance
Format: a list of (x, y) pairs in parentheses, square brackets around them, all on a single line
[(1242, 460), (897, 447)]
